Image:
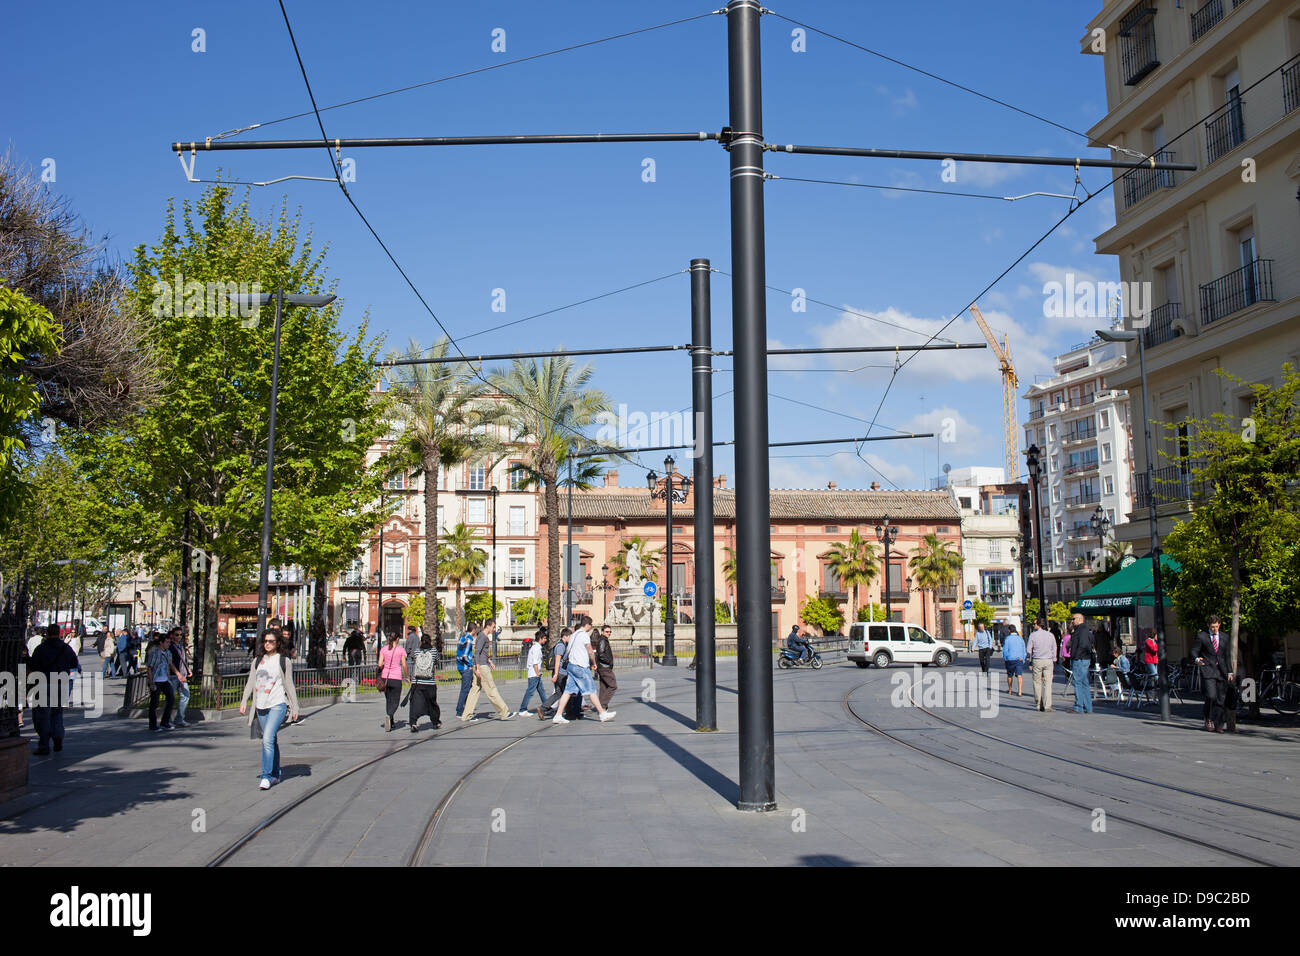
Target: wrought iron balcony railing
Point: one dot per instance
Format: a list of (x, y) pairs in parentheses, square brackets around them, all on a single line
[(1204, 19), (1078, 433), (1291, 87), (1083, 500), (1137, 32), (1237, 290), (1174, 483), (1161, 328), (1226, 131), (1141, 183), (1081, 401)]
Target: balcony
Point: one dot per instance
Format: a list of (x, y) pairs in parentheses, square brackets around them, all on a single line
[(1082, 467), (1161, 328), (1204, 19), (1175, 483), (1036, 413), (1226, 131), (1137, 32), (1237, 290), (949, 594), (1141, 183), (1083, 500), (778, 595), (840, 595), (350, 579), (1079, 532), (1078, 434), (1082, 401), (1291, 87)]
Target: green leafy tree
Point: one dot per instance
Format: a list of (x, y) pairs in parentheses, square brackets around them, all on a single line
[(479, 607), (196, 457), (721, 612), (550, 402), (822, 613), (854, 563), (414, 612), (447, 418), (983, 614), (461, 562), (25, 328), (1248, 527), (1032, 609), (1058, 613), (529, 610), (873, 612)]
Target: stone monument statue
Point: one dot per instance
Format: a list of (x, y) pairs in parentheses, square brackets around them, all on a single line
[(635, 579)]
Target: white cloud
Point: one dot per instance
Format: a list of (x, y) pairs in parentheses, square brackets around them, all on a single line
[(1070, 319), (904, 103), (985, 174), (967, 438)]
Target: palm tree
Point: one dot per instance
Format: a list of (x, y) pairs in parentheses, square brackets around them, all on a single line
[(935, 565), (549, 402), (461, 561), (854, 563), (649, 559), (443, 413), (1111, 561)]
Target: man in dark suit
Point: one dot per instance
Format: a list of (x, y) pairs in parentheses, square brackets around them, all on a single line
[(1081, 650), (1212, 657)]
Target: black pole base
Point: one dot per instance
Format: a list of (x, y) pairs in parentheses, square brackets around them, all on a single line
[(706, 730), (756, 807), (668, 660)]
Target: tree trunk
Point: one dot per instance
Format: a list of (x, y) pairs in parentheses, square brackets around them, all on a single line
[(431, 465), (316, 643), (460, 607), (555, 618), (210, 624)]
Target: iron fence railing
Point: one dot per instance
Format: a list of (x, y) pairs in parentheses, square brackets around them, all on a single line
[(1161, 328), (1226, 131), (1174, 483), (1083, 500), (1291, 87), (1137, 32), (1204, 19), (1141, 183), (1237, 290)]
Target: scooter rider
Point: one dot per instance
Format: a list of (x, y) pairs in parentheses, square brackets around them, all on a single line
[(798, 641)]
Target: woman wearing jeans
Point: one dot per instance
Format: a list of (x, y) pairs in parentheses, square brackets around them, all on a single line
[(270, 682), (159, 664)]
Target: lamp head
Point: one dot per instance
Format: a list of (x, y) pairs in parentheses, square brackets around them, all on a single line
[(652, 480)]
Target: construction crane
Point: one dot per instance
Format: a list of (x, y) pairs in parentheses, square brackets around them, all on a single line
[(1010, 419)]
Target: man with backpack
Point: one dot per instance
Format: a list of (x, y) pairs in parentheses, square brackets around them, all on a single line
[(582, 681), (465, 664), (558, 662)]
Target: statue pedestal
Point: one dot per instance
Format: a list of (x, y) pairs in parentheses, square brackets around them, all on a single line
[(631, 606)]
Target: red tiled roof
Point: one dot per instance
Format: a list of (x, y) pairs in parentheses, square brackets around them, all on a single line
[(608, 504)]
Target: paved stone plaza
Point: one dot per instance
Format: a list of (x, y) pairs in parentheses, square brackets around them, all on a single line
[(646, 789)]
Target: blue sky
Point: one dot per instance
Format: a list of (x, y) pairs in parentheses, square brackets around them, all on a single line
[(104, 94)]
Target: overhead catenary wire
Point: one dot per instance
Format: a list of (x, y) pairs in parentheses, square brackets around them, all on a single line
[(915, 189), (467, 73), (384, 246)]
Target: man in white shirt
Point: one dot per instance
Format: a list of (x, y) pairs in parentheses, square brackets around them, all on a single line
[(582, 679), (533, 670)]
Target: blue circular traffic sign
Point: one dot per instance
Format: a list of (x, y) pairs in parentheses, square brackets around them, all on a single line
[(650, 589), (967, 605)]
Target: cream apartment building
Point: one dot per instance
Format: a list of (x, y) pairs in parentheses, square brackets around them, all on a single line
[(1221, 245)]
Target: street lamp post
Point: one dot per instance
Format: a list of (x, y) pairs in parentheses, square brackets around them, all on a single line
[(1035, 469), (1100, 522), (669, 495), (1158, 594), (887, 534), (281, 300), (604, 586)]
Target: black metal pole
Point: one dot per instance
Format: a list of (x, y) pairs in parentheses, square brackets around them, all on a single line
[(889, 607), (670, 625), (706, 694), (264, 570), (1038, 546), (494, 554), (205, 146), (1158, 594), (568, 551), (379, 614), (749, 336), (972, 157)]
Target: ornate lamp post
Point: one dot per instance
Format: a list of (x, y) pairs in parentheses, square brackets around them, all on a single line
[(1036, 469), (1100, 522), (669, 495), (887, 534), (604, 586)]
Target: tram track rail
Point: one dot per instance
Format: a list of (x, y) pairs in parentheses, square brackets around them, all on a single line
[(1088, 807)]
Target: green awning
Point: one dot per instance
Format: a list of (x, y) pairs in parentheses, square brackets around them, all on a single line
[(1126, 589)]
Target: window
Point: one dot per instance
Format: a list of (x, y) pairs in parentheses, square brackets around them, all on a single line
[(896, 579), (919, 636), (831, 529), (1058, 526), (1103, 419), (832, 580), (997, 585), (877, 633), (441, 524), (1004, 504), (965, 503), (518, 477), (393, 570), (476, 511), (482, 580), (1105, 452), (1110, 485), (516, 579), (478, 477), (995, 550), (941, 529), (397, 482), (518, 519)]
